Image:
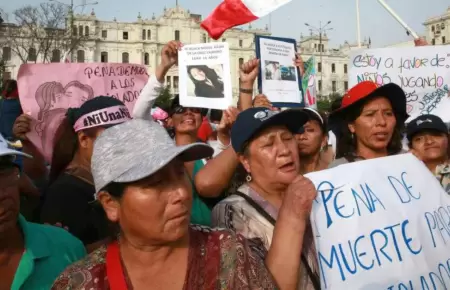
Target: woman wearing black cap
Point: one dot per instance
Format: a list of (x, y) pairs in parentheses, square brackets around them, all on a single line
[(428, 140), (371, 121), (71, 188), (266, 147)]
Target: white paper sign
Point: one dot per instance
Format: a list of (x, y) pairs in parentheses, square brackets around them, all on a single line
[(279, 81), (422, 72), (382, 224), (205, 78)]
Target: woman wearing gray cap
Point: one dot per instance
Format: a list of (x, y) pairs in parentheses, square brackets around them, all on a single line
[(266, 147), (144, 189)]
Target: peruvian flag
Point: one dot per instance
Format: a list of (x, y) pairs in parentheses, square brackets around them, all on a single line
[(231, 13)]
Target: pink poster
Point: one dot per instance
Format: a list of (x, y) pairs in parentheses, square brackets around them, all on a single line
[(47, 90)]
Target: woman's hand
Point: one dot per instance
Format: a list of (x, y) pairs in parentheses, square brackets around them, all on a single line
[(420, 42), (262, 101), (22, 126), (248, 72), (299, 198), (298, 62), (169, 54), (224, 129), (169, 58)]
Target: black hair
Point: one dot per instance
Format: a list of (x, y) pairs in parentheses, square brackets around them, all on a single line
[(346, 145), (66, 139), (215, 115)]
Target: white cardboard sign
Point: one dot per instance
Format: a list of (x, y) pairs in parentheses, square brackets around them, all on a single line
[(205, 78), (422, 72), (381, 224)]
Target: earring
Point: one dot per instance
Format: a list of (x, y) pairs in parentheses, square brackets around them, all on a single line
[(248, 178)]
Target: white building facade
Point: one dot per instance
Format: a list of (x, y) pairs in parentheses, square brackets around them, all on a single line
[(141, 42), (438, 29)]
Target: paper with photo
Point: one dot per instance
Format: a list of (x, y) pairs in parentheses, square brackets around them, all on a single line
[(279, 81), (205, 78)]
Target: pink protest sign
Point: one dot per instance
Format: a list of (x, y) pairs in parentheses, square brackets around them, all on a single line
[(47, 90)]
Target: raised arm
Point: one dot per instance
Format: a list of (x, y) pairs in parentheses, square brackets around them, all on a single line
[(169, 57)]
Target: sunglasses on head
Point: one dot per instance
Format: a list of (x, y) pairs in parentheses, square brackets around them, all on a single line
[(182, 110)]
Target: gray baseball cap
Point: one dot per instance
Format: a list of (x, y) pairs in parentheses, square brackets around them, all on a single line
[(136, 149)]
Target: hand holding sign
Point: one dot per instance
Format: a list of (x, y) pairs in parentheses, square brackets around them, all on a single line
[(169, 54), (249, 72), (22, 126)]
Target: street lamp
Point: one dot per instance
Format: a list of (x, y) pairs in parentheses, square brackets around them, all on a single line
[(71, 9), (321, 30)]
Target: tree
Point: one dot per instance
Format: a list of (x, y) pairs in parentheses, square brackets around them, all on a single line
[(164, 99), (41, 33)]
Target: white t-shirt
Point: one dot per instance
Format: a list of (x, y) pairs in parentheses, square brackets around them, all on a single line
[(332, 141)]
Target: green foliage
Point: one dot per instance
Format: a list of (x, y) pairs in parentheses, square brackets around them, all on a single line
[(324, 103), (164, 99)]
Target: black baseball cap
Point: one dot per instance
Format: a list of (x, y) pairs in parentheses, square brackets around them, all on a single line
[(426, 122), (252, 121)]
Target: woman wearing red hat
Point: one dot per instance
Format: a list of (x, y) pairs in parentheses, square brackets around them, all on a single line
[(371, 120)]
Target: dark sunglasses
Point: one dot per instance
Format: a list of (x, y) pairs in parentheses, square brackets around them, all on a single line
[(182, 110)]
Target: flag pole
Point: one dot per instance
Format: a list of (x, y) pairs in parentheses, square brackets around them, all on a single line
[(397, 17), (358, 24)]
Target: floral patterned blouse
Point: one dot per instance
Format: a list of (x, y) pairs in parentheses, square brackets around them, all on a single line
[(218, 259), (236, 214)]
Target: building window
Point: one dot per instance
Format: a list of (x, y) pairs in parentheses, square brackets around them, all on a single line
[(125, 35), (320, 86), (432, 28), (443, 39), (80, 30), (205, 39), (6, 55), (240, 42), (177, 35), (104, 56), (345, 86), (149, 34), (146, 58), (56, 55), (333, 68), (168, 81), (175, 82), (144, 34), (74, 30), (319, 67), (333, 86), (433, 41), (224, 40), (86, 30), (241, 62), (345, 68), (32, 54), (125, 57), (104, 33), (80, 56)]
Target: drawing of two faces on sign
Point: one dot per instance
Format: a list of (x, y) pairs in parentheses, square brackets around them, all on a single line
[(53, 100)]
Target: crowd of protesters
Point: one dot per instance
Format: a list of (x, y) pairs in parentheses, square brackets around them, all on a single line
[(188, 198)]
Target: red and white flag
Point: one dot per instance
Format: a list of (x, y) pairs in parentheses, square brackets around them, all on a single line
[(231, 13)]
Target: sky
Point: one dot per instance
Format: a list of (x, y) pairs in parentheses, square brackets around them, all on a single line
[(289, 21)]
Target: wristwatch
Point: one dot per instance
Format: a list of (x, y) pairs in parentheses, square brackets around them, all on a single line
[(246, 91)]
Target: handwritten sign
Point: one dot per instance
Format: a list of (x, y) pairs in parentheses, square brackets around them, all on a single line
[(47, 90), (384, 226), (422, 72)]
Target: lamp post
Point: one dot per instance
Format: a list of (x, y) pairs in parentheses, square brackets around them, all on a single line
[(72, 7), (358, 24), (321, 30)]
